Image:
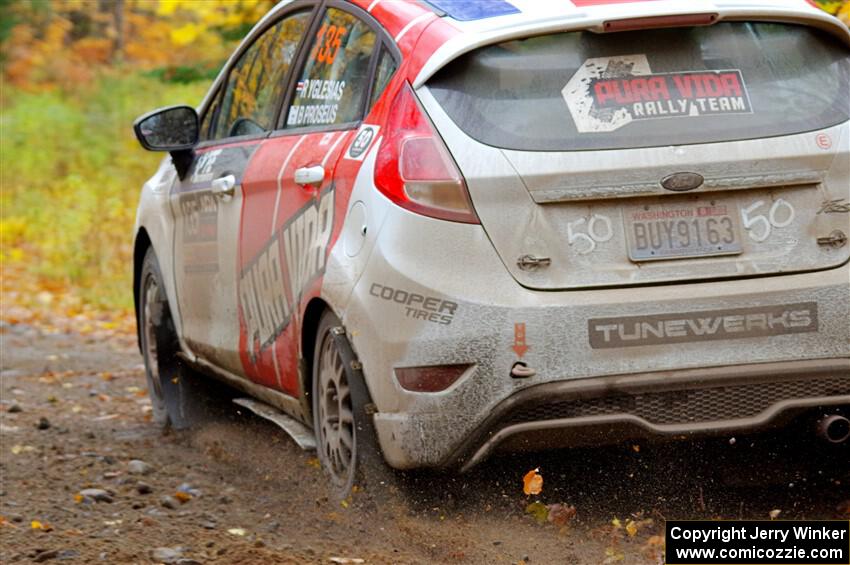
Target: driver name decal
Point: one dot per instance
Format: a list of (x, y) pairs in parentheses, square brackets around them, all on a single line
[(609, 93)]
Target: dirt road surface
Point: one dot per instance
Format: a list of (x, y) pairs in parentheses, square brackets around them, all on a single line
[(74, 415)]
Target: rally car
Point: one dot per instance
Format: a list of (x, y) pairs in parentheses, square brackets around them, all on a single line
[(435, 230)]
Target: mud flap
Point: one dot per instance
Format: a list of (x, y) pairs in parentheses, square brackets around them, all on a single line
[(371, 459)]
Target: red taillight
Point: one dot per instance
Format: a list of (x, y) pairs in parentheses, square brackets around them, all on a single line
[(435, 378), (415, 170)]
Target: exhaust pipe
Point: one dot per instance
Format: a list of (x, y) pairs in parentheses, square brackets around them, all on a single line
[(834, 429)]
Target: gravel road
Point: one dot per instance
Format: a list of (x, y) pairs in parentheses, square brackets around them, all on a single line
[(87, 477)]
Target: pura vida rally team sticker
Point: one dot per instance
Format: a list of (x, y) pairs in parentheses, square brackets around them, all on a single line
[(608, 93)]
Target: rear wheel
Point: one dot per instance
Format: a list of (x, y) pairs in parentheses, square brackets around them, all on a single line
[(179, 396), (345, 436)]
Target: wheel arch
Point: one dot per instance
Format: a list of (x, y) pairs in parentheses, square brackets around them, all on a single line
[(309, 326), (140, 249)]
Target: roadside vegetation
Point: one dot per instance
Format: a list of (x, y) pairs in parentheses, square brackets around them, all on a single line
[(75, 74)]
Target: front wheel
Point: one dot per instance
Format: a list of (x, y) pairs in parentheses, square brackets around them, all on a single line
[(180, 397)]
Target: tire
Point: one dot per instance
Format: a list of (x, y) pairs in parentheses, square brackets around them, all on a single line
[(180, 397), (346, 443)]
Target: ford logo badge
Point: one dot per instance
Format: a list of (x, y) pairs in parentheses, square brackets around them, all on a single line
[(682, 182)]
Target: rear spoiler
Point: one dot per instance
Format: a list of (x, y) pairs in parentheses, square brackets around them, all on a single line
[(598, 19)]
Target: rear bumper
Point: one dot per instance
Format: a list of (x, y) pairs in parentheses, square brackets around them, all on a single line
[(665, 404), (606, 410)]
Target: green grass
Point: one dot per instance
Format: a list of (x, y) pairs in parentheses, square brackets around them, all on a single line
[(70, 175)]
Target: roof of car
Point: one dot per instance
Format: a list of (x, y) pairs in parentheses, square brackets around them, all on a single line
[(459, 26)]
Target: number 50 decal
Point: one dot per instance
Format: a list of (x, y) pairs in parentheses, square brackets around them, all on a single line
[(759, 226), (599, 230)]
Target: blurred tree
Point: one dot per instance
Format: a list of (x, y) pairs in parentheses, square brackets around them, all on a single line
[(61, 43), (840, 8), (50, 43)]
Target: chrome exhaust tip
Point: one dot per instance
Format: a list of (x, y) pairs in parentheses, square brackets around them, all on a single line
[(834, 429)]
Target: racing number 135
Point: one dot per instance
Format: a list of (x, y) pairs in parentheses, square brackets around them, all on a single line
[(328, 42)]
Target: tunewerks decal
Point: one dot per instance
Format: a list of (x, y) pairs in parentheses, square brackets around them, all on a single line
[(739, 323), (608, 93)]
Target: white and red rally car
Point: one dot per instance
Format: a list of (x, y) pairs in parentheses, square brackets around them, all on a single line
[(444, 228)]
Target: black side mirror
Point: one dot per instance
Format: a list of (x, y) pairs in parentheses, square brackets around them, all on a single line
[(168, 129), (174, 129)]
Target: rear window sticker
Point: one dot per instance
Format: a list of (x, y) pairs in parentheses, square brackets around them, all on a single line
[(608, 93), (362, 141)]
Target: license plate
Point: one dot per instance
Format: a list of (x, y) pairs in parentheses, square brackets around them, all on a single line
[(682, 230)]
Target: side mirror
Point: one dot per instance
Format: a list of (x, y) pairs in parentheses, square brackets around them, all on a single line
[(168, 129)]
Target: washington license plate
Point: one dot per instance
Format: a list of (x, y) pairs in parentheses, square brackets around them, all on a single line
[(681, 230)]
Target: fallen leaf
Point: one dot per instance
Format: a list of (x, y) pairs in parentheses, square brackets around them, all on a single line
[(18, 449), (655, 541), (314, 462), (631, 528), (539, 510), (774, 514), (236, 531), (532, 482), (561, 514), (37, 525), (616, 523), (346, 560), (636, 448), (183, 497)]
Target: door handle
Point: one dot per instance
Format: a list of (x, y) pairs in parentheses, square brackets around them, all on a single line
[(224, 187), (307, 176)]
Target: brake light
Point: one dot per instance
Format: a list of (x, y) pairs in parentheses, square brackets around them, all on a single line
[(655, 22), (414, 168)]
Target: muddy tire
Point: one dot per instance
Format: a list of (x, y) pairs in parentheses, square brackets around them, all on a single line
[(346, 442), (180, 397)]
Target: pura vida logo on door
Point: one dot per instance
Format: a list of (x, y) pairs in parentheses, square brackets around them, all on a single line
[(271, 285)]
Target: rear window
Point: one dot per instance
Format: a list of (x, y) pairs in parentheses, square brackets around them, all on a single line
[(581, 90)]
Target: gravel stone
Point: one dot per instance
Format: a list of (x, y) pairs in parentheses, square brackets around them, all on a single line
[(96, 494), (139, 467)]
